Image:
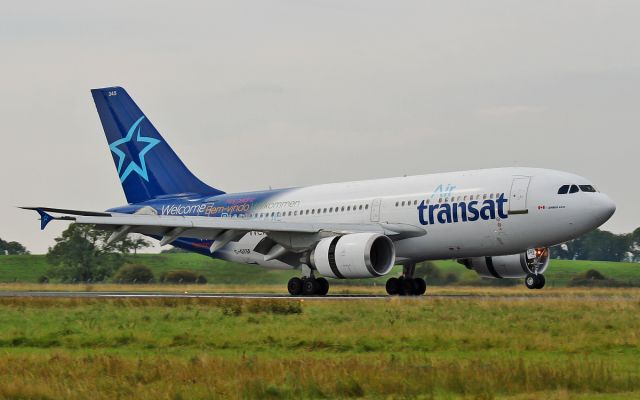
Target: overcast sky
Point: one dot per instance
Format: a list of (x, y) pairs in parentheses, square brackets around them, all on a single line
[(253, 94)]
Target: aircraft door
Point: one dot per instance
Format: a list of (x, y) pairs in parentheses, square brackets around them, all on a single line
[(375, 210), (518, 196)]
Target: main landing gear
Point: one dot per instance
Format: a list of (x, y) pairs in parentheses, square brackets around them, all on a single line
[(534, 281), (406, 285), (308, 286)]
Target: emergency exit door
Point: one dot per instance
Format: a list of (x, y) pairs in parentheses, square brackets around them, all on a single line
[(375, 210), (518, 196)]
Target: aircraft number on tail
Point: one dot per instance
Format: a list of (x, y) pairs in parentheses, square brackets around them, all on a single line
[(112, 93)]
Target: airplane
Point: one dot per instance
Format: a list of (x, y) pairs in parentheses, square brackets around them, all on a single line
[(498, 222)]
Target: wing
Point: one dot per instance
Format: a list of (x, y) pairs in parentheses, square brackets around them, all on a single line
[(294, 236)]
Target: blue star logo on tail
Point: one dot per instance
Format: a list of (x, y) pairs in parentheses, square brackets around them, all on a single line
[(140, 167)]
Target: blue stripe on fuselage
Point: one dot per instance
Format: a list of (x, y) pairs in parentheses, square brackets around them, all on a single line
[(226, 205)]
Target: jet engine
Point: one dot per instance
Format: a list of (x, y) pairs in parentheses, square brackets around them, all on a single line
[(356, 255), (511, 266)]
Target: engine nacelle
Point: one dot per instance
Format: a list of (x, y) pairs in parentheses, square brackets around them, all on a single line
[(356, 255), (511, 266)]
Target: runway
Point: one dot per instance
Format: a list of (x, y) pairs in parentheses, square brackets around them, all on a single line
[(340, 297), (187, 295)]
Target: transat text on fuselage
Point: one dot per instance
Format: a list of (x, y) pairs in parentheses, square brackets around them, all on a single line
[(447, 213)]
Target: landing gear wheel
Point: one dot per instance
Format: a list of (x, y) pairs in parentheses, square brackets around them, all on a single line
[(409, 287), (541, 281), (393, 286), (531, 281), (421, 286), (323, 286), (295, 286), (309, 287)]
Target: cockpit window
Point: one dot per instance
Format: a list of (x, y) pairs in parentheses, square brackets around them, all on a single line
[(574, 189), (587, 188), (564, 189)]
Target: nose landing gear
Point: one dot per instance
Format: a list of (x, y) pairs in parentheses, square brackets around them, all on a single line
[(534, 281)]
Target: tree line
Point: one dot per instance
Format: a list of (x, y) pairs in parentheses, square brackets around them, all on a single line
[(601, 245), (82, 254), (12, 248)]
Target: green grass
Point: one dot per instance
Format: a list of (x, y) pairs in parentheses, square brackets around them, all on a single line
[(560, 272), (395, 348)]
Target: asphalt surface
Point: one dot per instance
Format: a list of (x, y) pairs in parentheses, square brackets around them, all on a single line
[(99, 294)]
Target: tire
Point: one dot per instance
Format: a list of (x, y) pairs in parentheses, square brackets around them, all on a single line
[(295, 286), (310, 287), (531, 281), (323, 286), (541, 281), (421, 286), (409, 287), (392, 286)]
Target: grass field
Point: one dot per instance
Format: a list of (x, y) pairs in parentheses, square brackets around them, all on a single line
[(558, 343), (560, 272), (557, 347)]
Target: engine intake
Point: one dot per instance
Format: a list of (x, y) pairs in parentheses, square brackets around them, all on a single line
[(356, 255), (511, 266)]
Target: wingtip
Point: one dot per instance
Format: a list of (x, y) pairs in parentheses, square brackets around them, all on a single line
[(44, 217)]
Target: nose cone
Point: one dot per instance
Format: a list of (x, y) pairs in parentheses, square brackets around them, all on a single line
[(605, 207)]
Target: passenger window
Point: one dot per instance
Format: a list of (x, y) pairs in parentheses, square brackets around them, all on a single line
[(366, 207), (397, 204), (564, 189), (403, 204), (342, 209), (349, 208), (574, 189), (587, 188), (360, 208)]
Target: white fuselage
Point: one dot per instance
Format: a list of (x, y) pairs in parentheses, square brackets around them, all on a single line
[(526, 212)]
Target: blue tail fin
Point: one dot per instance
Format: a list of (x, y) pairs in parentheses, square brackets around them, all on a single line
[(146, 165)]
